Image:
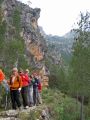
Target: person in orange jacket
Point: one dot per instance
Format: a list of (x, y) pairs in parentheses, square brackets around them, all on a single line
[(15, 84), (2, 76)]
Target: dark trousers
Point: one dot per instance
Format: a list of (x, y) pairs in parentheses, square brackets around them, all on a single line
[(24, 93), (35, 96), (15, 98)]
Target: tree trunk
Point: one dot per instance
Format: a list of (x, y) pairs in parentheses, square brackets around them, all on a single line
[(82, 111), (77, 99), (6, 102), (76, 104)]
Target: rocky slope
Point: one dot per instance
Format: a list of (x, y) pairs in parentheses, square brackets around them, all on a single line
[(62, 46), (59, 47)]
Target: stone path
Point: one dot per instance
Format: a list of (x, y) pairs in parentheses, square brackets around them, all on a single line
[(15, 114)]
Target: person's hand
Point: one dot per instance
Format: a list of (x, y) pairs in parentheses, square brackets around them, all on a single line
[(19, 89)]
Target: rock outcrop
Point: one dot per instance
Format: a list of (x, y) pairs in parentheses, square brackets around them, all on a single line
[(29, 29), (22, 23)]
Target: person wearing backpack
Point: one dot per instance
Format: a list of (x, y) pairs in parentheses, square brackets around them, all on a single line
[(15, 84), (24, 90), (39, 90), (35, 89), (3, 81)]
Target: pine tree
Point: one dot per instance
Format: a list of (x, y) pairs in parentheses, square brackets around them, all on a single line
[(80, 73)]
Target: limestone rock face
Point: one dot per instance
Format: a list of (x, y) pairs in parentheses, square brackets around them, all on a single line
[(29, 29), (44, 75), (35, 50), (23, 20)]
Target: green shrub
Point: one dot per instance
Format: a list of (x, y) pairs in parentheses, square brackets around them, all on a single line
[(62, 107)]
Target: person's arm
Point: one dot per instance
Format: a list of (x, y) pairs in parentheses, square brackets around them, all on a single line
[(20, 82), (27, 78)]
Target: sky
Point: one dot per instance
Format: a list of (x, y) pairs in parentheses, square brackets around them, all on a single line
[(57, 17)]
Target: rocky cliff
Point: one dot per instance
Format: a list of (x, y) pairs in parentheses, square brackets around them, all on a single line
[(22, 44), (24, 20)]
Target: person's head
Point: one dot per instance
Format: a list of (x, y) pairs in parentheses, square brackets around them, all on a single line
[(27, 71), (15, 71), (31, 76), (35, 75), (20, 71)]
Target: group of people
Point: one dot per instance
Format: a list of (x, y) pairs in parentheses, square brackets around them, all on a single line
[(28, 86)]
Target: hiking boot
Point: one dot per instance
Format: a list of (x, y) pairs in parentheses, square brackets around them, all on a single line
[(31, 105), (26, 107)]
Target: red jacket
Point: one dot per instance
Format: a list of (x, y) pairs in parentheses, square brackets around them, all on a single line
[(25, 79)]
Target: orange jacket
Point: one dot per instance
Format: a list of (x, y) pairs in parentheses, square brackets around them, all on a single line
[(16, 84), (2, 76)]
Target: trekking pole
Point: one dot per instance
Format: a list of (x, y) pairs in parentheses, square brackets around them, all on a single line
[(6, 102)]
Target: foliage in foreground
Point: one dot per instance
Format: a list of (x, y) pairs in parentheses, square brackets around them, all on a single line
[(62, 107)]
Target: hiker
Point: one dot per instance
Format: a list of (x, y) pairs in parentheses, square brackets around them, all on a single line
[(35, 89), (2, 77), (39, 90), (24, 90), (3, 82), (30, 91), (15, 84)]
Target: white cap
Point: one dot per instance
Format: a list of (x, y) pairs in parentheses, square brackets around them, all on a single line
[(27, 70), (15, 69)]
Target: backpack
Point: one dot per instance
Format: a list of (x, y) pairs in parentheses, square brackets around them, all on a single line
[(2, 76), (40, 87)]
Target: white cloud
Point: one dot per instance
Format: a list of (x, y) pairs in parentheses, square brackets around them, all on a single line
[(58, 16)]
